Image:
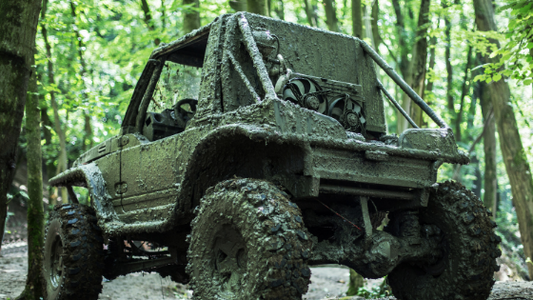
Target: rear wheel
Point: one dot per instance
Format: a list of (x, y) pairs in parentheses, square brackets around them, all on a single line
[(72, 254), (469, 249), (248, 242)]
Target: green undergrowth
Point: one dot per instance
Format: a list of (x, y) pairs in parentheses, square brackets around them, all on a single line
[(383, 290)]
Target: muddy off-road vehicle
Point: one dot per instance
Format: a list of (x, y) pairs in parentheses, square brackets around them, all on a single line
[(275, 159)]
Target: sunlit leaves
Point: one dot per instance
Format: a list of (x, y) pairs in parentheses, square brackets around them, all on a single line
[(515, 55)]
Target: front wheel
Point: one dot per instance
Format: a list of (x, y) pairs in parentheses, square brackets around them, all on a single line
[(72, 254), (469, 249), (248, 242)]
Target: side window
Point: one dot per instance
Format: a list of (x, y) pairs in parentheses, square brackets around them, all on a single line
[(173, 102)]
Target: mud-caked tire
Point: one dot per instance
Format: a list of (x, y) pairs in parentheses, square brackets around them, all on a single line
[(249, 242), (469, 248), (72, 254)]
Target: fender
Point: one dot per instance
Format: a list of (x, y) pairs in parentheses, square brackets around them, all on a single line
[(90, 177)]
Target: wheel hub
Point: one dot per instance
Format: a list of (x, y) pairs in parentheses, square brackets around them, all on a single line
[(230, 258)]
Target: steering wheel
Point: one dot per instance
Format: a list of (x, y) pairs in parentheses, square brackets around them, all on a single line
[(185, 114)]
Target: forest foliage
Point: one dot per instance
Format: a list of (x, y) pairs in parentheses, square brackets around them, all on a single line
[(98, 50)]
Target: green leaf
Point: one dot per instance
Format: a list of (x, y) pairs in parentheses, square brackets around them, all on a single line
[(497, 77), (488, 80), (479, 78), (528, 81), (526, 9)]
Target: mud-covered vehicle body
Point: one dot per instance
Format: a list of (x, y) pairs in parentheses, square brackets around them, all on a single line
[(283, 161)]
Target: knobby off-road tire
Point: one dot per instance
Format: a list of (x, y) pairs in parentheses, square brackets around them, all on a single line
[(248, 242), (469, 246), (73, 254)]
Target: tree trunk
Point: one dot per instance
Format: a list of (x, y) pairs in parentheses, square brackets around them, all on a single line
[(238, 5), (18, 23), (367, 26), (476, 187), (489, 147), (279, 9), (419, 63), (163, 15), (464, 91), (311, 17), (191, 21), (447, 55), (257, 7), (374, 22), (88, 136), (62, 164), (357, 19), (403, 40), (431, 65), (147, 14), (402, 124), (331, 16), (514, 155), (34, 287)]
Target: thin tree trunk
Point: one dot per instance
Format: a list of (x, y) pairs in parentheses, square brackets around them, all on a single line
[(464, 91), (447, 56), (238, 5), (191, 21), (419, 62), (163, 15), (88, 130), (489, 147), (403, 40), (279, 9), (357, 19), (46, 122), (62, 164), (476, 189), (514, 155), (258, 7), (331, 16), (431, 65), (88, 136), (367, 26), (34, 285), (402, 124), (147, 14), (18, 23), (309, 13), (374, 24)]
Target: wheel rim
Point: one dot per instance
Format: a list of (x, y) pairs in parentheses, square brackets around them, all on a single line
[(230, 259), (56, 262)]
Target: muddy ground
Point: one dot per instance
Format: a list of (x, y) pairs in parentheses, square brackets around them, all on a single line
[(328, 282)]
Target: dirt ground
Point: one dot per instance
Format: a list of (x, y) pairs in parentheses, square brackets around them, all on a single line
[(327, 282)]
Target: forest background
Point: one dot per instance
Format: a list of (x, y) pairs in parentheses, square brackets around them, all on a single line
[(471, 60)]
